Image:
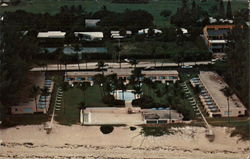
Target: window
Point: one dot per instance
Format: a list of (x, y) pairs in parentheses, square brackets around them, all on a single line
[(152, 77)]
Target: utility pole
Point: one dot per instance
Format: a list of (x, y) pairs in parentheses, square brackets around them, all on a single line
[(119, 56)]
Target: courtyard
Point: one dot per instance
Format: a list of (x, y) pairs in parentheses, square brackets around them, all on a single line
[(160, 95)]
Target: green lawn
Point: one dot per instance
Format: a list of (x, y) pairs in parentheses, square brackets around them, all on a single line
[(154, 7), (160, 95), (69, 113), (241, 125), (146, 48), (152, 92)]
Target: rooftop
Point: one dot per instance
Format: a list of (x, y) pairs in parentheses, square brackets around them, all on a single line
[(91, 22), (145, 31), (217, 32), (120, 71), (217, 41), (150, 114), (92, 34), (85, 73), (160, 72), (214, 83), (51, 34)]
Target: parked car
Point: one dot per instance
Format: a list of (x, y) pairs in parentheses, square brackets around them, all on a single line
[(186, 66)]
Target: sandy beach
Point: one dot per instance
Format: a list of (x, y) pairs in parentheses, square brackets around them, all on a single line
[(88, 142)]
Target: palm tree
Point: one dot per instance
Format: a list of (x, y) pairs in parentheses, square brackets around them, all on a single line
[(64, 60), (82, 105), (77, 49), (177, 58), (77, 60), (118, 49), (195, 55), (45, 92), (59, 52), (137, 89), (85, 56), (84, 86), (42, 65), (121, 86), (133, 62), (101, 65), (149, 84), (35, 91), (99, 79), (112, 82), (136, 76), (46, 52), (228, 93), (154, 55), (170, 102)]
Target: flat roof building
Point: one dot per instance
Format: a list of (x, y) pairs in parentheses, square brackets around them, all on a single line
[(91, 22), (89, 36), (155, 75), (52, 34), (161, 75), (161, 116), (215, 37), (145, 31), (117, 34), (215, 101)]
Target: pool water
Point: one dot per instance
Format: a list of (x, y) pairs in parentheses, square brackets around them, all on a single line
[(128, 95)]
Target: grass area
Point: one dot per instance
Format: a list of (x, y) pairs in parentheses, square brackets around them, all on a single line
[(164, 129), (69, 113), (152, 92), (154, 7), (163, 50), (155, 131), (161, 94), (241, 125)]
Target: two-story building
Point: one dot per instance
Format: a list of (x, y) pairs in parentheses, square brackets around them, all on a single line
[(155, 75), (216, 37)]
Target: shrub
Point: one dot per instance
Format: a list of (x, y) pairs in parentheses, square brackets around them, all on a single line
[(111, 101), (108, 99), (65, 86), (119, 102), (106, 129), (155, 131), (132, 128), (144, 102)]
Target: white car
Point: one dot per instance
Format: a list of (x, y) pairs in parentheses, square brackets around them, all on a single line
[(127, 60), (214, 60), (186, 66)]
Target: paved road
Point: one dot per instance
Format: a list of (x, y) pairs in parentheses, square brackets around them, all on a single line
[(92, 65)]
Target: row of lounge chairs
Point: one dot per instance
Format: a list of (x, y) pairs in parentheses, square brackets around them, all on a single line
[(191, 100), (59, 97), (45, 100), (204, 96)]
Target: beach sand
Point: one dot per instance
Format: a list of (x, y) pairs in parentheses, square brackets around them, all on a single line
[(88, 142)]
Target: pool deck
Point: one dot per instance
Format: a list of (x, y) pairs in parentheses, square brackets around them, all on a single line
[(112, 116)]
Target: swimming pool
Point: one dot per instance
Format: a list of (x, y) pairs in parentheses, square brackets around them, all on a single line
[(127, 95)]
